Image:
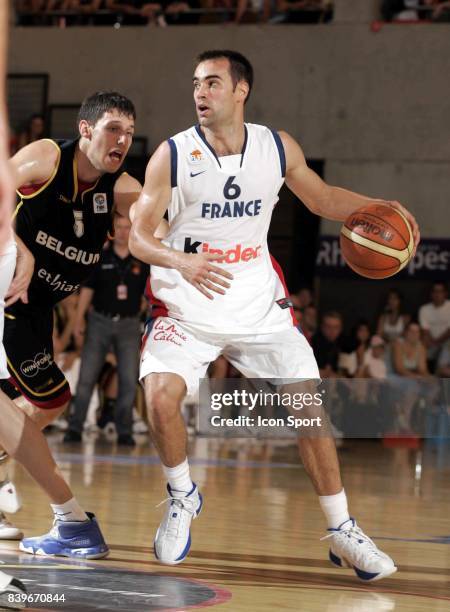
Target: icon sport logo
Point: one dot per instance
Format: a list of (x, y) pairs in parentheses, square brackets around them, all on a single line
[(197, 173)]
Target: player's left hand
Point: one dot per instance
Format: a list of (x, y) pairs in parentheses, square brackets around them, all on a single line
[(411, 220), (18, 290)]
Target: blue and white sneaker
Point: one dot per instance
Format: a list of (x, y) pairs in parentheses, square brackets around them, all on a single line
[(173, 538), (350, 547), (78, 539)]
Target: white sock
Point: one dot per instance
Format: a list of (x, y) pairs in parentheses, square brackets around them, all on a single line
[(69, 511), (178, 477), (335, 509)]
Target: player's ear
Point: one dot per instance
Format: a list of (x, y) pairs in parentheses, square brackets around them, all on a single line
[(85, 129), (242, 89)]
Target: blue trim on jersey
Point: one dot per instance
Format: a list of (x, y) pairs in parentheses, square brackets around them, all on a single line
[(281, 152), (173, 163), (202, 136), (244, 147)]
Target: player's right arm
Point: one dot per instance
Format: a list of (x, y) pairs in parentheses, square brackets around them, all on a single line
[(148, 212), (32, 165)]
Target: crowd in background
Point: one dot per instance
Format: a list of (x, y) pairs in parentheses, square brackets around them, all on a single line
[(416, 10), (401, 343), (119, 13)]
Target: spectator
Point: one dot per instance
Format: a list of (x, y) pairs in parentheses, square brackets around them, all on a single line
[(434, 319), (373, 363), (409, 354), (400, 10), (34, 130), (302, 298), (440, 10), (351, 361), (327, 344), (252, 10), (302, 11), (136, 12), (392, 322), (173, 10), (309, 321), (115, 290), (443, 364)]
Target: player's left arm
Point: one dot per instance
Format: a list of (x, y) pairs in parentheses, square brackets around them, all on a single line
[(325, 200), (126, 193), (127, 190)]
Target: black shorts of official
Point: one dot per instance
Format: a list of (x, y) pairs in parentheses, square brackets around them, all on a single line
[(28, 342)]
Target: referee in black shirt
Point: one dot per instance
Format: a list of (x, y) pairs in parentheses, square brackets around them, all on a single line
[(115, 291)]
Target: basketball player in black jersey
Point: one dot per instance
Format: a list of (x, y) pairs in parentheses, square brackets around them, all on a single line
[(67, 195)]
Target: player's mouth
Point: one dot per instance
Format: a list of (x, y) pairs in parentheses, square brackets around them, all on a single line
[(116, 156), (202, 110)]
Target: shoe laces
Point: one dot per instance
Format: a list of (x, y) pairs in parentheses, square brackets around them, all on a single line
[(54, 531), (355, 533), (174, 519)]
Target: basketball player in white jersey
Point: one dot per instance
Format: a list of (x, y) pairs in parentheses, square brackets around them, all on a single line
[(217, 292), (11, 589)]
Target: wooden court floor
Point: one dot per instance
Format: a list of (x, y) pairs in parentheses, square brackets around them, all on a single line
[(256, 547)]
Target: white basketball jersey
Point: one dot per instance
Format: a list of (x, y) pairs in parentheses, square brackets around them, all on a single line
[(224, 205)]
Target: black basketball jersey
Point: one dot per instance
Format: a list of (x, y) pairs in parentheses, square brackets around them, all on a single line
[(65, 230)]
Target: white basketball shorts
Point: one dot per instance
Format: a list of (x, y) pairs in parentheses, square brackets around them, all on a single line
[(173, 346)]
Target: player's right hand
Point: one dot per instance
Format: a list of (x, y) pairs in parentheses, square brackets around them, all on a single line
[(18, 290), (198, 270)]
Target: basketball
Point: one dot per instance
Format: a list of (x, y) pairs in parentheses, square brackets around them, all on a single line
[(376, 241)]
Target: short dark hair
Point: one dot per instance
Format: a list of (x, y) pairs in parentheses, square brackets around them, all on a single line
[(439, 283), (332, 314), (95, 106), (240, 67)]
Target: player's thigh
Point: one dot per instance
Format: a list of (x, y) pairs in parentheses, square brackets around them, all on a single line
[(171, 348), (7, 267), (282, 355), (29, 348)]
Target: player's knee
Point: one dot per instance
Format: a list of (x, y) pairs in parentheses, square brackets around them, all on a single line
[(162, 406), (45, 416)]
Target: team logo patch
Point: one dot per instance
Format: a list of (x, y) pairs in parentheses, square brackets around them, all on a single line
[(100, 203), (196, 156), (78, 226), (40, 362), (284, 303)]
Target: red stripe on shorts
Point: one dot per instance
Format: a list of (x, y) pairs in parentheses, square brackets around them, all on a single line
[(159, 309), (279, 271)]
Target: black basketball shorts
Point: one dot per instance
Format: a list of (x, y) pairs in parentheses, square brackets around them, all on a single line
[(28, 342)]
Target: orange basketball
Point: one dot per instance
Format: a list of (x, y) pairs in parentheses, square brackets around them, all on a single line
[(376, 241)]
